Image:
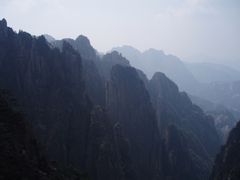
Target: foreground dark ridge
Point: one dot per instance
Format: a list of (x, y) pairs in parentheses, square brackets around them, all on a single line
[(227, 164), (21, 155)]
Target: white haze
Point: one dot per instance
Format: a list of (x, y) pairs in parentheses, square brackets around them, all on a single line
[(194, 30)]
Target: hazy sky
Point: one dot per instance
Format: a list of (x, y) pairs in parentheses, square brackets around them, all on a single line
[(186, 28)]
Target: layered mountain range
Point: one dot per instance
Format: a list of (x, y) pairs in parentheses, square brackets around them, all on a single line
[(210, 72), (207, 84), (152, 60), (99, 115)]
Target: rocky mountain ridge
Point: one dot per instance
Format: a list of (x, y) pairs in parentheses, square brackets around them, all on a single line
[(102, 116)]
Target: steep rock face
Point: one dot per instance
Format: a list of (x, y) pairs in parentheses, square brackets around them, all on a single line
[(94, 83), (108, 150), (109, 60), (21, 155), (49, 38), (227, 163), (81, 44), (129, 105), (195, 139), (182, 156), (49, 85), (123, 143)]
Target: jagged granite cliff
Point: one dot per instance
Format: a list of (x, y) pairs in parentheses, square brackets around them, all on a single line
[(21, 156), (129, 104), (227, 163), (190, 138), (49, 85), (102, 116), (94, 82), (108, 61)]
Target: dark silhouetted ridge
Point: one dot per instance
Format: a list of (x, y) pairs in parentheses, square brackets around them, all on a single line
[(227, 163)]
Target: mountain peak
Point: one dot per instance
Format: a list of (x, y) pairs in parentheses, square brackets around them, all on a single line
[(116, 58), (49, 38), (83, 40), (115, 54), (3, 23), (83, 46), (159, 75), (155, 52), (126, 49), (3, 27), (163, 81)]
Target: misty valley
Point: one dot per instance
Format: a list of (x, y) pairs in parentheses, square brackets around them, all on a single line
[(71, 112)]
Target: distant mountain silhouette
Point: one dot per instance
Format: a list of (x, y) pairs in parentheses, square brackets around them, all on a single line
[(223, 93), (208, 73), (153, 60), (49, 38)]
